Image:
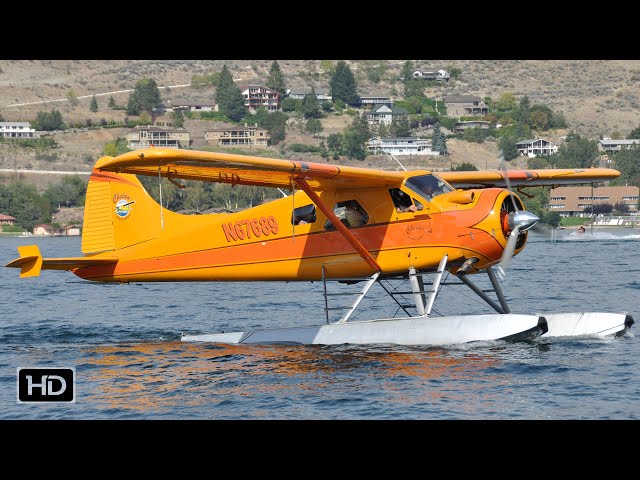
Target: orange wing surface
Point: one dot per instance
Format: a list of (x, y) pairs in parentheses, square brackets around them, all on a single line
[(246, 170), (528, 178)]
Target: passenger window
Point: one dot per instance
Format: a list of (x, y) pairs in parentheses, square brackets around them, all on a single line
[(403, 202), (303, 215), (350, 213)]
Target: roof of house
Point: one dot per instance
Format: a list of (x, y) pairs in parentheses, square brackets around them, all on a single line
[(304, 91), (15, 124), (6, 217), (619, 142), (394, 110), (46, 226), (160, 129), (461, 99), (528, 142), (237, 128), (246, 87), (392, 139)]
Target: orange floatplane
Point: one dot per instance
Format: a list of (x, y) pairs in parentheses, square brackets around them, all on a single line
[(338, 223)]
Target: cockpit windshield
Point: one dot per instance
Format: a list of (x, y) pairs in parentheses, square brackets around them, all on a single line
[(428, 186)]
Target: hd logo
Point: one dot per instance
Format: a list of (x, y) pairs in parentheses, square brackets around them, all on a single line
[(46, 385)]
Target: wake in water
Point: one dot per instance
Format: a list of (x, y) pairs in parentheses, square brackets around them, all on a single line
[(589, 236)]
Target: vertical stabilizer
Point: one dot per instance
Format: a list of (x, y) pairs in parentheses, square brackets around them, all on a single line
[(118, 213)]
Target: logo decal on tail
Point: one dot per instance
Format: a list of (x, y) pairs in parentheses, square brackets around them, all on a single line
[(123, 204)]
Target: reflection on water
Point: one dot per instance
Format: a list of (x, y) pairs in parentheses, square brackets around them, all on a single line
[(139, 377)]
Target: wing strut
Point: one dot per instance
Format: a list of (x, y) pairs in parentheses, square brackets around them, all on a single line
[(339, 225)]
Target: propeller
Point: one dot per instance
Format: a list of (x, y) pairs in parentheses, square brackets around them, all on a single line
[(518, 221)]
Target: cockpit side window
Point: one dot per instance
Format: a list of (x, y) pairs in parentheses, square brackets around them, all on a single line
[(350, 213), (403, 202), (303, 215), (428, 186)]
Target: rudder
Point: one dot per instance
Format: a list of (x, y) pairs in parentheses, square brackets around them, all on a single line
[(118, 213)]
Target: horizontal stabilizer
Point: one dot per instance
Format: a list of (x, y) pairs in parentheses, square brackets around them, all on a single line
[(31, 262)]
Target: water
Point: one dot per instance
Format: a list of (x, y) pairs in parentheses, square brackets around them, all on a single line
[(123, 341)]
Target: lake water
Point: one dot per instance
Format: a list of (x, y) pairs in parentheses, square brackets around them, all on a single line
[(123, 341)]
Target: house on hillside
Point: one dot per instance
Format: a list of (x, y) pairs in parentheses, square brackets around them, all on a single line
[(460, 127), (400, 146), (7, 219), (300, 93), (577, 201), (46, 230), (190, 107), (439, 75), (612, 146), (256, 96), (238, 136), (17, 130), (384, 114), (465, 105), (533, 148), (144, 136), (373, 100)]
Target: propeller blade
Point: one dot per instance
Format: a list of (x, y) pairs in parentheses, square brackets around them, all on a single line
[(507, 254)]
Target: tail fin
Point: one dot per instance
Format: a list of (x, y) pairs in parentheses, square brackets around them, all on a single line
[(30, 261), (118, 213)]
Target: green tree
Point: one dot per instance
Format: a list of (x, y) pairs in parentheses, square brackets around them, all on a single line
[(112, 103), (343, 84), (439, 140), (540, 117), (310, 105), (454, 72), (353, 148), (229, 96), (22, 201), (627, 162), (275, 80), (400, 126), (145, 97), (94, 104), (634, 134), (507, 146), (414, 88), (407, 72), (178, 118), (115, 147), (49, 121), (334, 142), (276, 124), (70, 191), (73, 98), (464, 167), (261, 117), (521, 114), (576, 152), (290, 104), (506, 102), (314, 127), (195, 197)]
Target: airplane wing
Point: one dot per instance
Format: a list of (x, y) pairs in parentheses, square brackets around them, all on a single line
[(31, 262), (245, 170), (528, 178)]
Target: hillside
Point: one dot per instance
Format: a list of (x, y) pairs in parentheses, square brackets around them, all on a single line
[(597, 97)]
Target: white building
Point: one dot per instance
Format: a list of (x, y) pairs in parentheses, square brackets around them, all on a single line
[(17, 130), (439, 75), (608, 145), (300, 93), (384, 114), (375, 100), (533, 148), (400, 146)]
